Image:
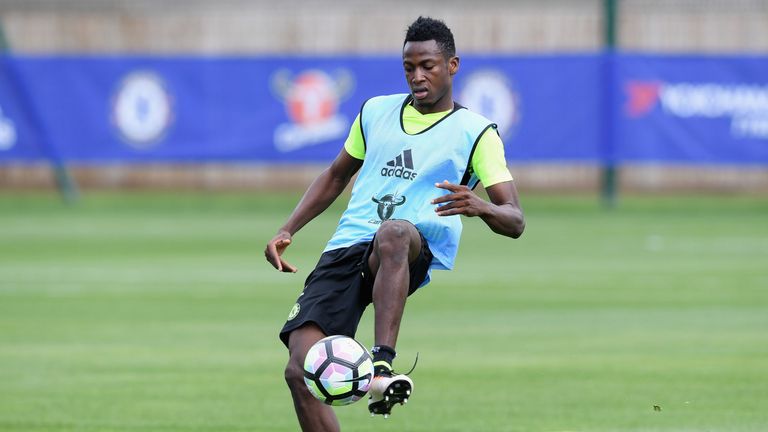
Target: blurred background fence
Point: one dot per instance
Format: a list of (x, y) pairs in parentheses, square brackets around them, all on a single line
[(260, 94)]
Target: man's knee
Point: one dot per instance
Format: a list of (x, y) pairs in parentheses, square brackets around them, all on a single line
[(395, 237), (300, 341), (294, 374)]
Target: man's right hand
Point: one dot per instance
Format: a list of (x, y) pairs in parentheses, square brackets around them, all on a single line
[(275, 249)]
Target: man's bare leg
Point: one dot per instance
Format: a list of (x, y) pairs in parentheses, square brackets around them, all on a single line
[(396, 245), (313, 415)]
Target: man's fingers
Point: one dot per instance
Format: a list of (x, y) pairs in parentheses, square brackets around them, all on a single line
[(275, 248), (456, 195), (450, 212), (284, 266), (272, 256), (448, 186), (445, 198), (282, 244), (287, 268), (455, 205), (459, 202), (276, 262)]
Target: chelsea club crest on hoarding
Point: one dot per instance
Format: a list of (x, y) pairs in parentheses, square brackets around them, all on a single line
[(142, 109), (311, 100), (489, 92)]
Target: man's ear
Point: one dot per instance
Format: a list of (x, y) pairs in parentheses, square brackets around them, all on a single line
[(453, 65)]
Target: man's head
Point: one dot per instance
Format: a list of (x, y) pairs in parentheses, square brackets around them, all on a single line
[(426, 29), (429, 61)]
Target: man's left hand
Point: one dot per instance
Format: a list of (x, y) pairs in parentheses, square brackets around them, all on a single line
[(461, 201)]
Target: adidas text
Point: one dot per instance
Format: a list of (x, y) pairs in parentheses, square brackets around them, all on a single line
[(399, 172)]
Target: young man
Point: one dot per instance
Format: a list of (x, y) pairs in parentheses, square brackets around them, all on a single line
[(419, 156)]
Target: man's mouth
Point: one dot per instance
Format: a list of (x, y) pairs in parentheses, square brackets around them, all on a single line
[(420, 93)]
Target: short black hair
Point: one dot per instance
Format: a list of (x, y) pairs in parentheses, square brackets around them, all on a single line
[(425, 28)]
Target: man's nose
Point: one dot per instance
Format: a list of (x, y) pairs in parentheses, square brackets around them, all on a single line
[(418, 76)]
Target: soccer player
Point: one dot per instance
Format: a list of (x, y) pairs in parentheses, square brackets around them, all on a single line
[(419, 156)]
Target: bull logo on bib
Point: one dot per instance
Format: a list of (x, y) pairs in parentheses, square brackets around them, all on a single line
[(387, 204)]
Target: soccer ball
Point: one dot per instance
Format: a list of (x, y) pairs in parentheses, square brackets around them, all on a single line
[(338, 370)]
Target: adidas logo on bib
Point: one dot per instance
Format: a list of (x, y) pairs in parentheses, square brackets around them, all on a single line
[(401, 166)]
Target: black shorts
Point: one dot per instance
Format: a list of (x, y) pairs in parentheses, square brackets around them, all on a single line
[(340, 287)]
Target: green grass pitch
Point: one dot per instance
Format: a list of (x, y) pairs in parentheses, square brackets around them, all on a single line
[(151, 312)]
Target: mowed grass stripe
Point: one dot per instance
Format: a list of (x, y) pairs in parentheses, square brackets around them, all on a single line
[(157, 312)]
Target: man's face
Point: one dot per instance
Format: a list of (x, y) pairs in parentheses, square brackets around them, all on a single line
[(429, 75)]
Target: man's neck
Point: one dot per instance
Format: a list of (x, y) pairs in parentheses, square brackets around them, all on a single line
[(412, 110)]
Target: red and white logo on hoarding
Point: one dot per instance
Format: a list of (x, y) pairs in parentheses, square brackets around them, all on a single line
[(642, 97), (746, 105), (490, 93), (312, 101)]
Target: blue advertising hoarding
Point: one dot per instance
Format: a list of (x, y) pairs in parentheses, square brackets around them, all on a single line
[(692, 109), (681, 109)]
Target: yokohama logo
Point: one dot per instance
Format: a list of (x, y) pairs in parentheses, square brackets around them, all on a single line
[(746, 105)]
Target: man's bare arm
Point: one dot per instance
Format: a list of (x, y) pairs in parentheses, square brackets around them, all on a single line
[(319, 196), (503, 214)]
